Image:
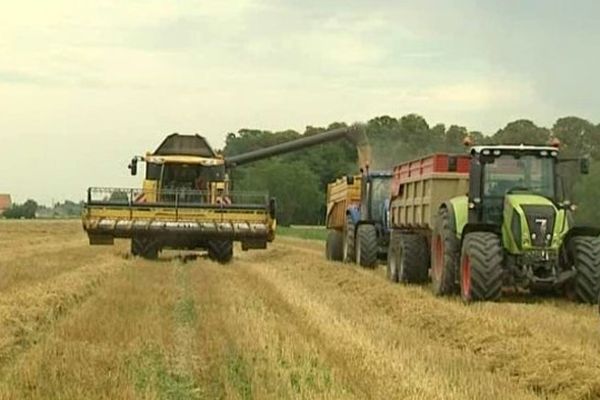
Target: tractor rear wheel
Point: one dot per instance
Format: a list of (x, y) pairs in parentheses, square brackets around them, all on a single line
[(481, 267), (445, 254), (585, 256), (414, 259), (334, 250), (349, 251), (367, 246), (220, 250), (145, 247)]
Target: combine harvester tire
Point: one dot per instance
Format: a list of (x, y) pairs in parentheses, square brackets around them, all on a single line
[(220, 250), (145, 247)]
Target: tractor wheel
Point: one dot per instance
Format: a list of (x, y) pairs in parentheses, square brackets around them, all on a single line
[(349, 251), (220, 250), (145, 247), (334, 250), (481, 267), (414, 256), (394, 257), (585, 256), (367, 246), (445, 254)]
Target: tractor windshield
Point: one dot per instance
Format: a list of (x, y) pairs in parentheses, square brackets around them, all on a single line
[(380, 191), (518, 173)]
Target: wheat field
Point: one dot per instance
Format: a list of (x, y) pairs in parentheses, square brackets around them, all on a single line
[(81, 322)]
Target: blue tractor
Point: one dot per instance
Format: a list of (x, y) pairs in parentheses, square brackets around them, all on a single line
[(366, 231)]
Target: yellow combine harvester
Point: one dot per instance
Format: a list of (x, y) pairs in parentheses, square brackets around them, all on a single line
[(187, 200)]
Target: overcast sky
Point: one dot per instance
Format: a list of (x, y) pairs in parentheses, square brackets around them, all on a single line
[(85, 85)]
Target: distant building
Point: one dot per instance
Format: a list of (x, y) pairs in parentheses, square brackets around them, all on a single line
[(5, 202)]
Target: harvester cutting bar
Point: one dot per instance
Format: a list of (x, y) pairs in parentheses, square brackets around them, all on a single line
[(125, 213)]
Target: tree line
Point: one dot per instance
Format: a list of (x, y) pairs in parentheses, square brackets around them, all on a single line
[(298, 180)]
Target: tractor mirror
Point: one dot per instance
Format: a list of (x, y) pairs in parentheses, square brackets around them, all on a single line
[(133, 166), (584, 166), (350, 180)]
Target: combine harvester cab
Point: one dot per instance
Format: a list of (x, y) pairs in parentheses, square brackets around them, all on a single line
[(490, 220), (357, 218), (187, 201)]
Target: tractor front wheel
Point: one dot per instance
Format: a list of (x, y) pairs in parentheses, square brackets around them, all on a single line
[(367, 246), (481, 267), (585, 256)]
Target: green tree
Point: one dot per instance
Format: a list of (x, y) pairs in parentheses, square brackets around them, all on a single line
[(26, 210), (294, 185), (521, 132)]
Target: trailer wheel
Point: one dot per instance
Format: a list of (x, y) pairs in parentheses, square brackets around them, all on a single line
[(393, 258), (585, 257), (481, 267), (334, 250), (445, 254), (220, 250), (414, 259), (349, 251), (367, 246), (145, 247)]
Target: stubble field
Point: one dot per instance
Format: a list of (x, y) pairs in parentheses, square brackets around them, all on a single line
[(89, 322)]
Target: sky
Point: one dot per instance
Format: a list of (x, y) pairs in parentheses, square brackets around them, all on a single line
[(86, 85)]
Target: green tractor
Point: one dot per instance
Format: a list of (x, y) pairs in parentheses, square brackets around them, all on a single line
[(514, 229)]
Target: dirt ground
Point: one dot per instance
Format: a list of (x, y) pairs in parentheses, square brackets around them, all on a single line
[(90, 322)]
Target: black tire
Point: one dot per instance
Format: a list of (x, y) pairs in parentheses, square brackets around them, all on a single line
[(481, 265), (366, 246), (220, 250), (445, 255), (393, 257), (585, 258), (414, 259), (349, 248), (145, 247), (334, 248)]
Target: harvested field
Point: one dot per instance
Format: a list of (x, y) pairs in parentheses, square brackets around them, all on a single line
[(90, 322)]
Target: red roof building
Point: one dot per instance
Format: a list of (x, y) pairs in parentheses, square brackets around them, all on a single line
[(5, 202)]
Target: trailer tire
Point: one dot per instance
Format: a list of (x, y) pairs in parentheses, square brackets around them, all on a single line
[(220, 250), (414, 259), (585, 257), (349, 247), (367, 246), (481, 270), (145, 247), (393, 257), (334, 247), (445, 255)]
